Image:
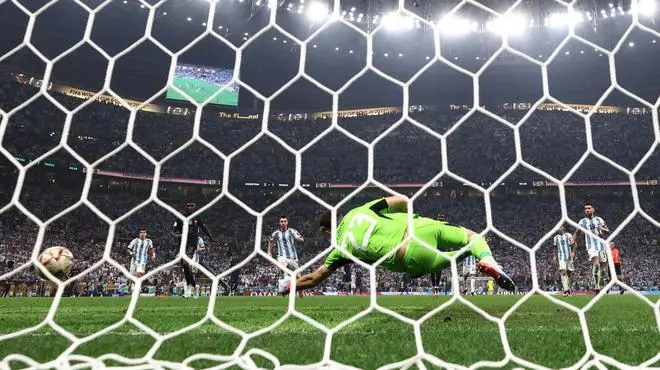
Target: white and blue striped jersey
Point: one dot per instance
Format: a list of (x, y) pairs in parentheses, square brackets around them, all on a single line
[(592, 224), (470, 262), (140, 250), (285, 243), (563, 243)]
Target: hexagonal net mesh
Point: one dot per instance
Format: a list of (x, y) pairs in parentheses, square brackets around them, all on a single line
[(244, 358)]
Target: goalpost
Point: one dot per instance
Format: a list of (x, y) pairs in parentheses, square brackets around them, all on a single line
[(245, 359)]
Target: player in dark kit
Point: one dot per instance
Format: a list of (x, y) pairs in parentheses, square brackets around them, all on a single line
[(195, 224)]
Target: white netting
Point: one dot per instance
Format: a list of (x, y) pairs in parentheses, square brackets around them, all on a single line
[(245, 360)]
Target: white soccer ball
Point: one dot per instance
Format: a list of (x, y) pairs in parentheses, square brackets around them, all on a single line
[(57, 260)]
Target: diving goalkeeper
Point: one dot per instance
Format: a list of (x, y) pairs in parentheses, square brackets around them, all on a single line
[(371, 231)]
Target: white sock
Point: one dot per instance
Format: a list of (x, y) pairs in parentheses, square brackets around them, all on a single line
[(564, 282), (490, 260), (471, 285)]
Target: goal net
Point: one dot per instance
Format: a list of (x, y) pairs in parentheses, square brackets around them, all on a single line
[(169, 142)]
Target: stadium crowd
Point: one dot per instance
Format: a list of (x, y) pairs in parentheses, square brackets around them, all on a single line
[(480, 150)]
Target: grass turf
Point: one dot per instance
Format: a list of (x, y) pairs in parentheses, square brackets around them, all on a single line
[(622, 327), (206, 89)]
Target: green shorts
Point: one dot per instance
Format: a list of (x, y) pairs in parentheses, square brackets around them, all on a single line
[(443, 236)]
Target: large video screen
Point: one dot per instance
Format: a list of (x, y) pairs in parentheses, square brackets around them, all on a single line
[(200, 82)]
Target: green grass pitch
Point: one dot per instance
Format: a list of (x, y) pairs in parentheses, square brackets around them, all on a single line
[(206, 89), (622, 327)]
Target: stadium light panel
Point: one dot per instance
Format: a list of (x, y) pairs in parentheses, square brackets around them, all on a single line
[(557, 20), (396, 21), (647, 7), (511, 24), (575, 17), (455, 26), (317, 11)]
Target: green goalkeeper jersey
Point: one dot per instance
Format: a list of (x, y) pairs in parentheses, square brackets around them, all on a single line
[(369, 232)]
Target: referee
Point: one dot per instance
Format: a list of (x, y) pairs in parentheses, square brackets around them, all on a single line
[(616, 259), (194, 226)]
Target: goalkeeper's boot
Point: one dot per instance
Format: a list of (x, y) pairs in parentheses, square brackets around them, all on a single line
[(494, 271), (196, 295)]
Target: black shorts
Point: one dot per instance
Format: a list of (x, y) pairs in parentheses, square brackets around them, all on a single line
[(617, 269)]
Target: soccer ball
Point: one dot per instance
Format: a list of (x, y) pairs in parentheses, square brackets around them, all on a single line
[(57, 260)]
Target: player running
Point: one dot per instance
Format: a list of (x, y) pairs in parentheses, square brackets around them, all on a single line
[(563, 256), (286, 239), (371, 231), (595, 246), (194, 225)]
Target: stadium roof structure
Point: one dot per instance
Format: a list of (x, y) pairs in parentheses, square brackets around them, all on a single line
[(403, 43)]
